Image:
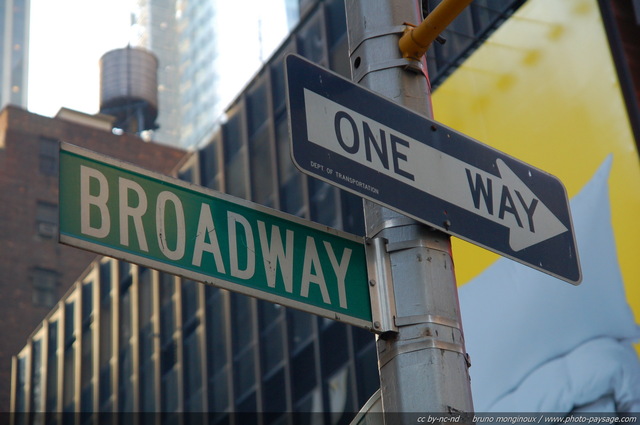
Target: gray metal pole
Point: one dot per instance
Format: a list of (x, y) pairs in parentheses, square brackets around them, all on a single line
[(423, 366)]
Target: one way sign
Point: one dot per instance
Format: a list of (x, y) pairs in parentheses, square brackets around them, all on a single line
[(359, 141)]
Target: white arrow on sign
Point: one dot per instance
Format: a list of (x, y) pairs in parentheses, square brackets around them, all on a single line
[(503, 199)]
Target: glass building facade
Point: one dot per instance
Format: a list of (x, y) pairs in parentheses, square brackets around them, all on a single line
[(131, 339), (200, 70), (155, 28), (14, 52)]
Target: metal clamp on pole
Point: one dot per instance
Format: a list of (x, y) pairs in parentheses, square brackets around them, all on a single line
[(433, 244), (383, 302), (385, 37), (367, 34), (408, 64)]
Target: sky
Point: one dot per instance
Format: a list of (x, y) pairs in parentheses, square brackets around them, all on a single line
[(68, 38)]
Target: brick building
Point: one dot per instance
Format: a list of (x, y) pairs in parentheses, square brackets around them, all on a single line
[(35, 271)]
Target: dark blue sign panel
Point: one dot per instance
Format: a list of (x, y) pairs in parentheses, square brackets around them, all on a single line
[(366, 144)]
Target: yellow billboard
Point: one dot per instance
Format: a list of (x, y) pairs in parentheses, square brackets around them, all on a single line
[(543, 88)]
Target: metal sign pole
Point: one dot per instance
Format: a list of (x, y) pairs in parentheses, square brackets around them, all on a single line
[(422, 359)]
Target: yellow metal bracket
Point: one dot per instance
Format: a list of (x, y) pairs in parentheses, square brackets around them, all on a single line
[(415, 40)]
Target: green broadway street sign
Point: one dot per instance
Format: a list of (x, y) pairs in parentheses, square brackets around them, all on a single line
[(120, 210)]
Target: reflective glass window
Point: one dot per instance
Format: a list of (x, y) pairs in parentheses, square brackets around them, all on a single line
[(323, 203), (86, 356), (340, 396), (168, 347), (300, 329), (45, 287), (303, 371), (36, 375), (46, 219), (193, 371), (312, 39), (234, 154), (209, 164), (257, 107), (21, 386), (274, 398), (291, 189), (243, 344), (336, 22), (68, 394), (52, 367), (125, 333), (271, 336), (216, 330), (333, 341), (368, 378), (106, 336), (48, 156), (219, 393), (262, 184), (278, 84), (145, 314)]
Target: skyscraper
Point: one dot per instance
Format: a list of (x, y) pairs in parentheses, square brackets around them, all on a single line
[(14, 52), (155, 28), (207, 50)]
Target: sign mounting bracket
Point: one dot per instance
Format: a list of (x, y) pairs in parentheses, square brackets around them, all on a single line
[(383, 305)]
